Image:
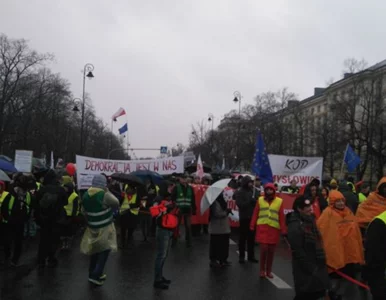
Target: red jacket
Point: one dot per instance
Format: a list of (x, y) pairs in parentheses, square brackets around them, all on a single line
[(266, 234)]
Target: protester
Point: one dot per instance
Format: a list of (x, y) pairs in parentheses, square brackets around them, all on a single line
[(364, 193), (333, 184), (342, 241), (147, 201), (308, 258), (219, 229), (3, 195), (50, 216), (205, 181), (352, 200), (351, 184), (246, 203), (129, 212), (318, 203), (324, 194), (197, 180), (269, 221), (292, 189), (183, 196), (72, 211), (374, 205), (99, 238), (258, 187), (15, 211), (165, 207), (375, 256)]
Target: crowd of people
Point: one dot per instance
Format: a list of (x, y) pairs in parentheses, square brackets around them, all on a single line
[(335, 228)]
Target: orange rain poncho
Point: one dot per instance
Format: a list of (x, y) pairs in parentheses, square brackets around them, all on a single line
[(341, 235), (372, 207)]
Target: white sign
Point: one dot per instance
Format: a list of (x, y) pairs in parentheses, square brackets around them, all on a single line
[(301, 169), (87, 167), (23, 161)]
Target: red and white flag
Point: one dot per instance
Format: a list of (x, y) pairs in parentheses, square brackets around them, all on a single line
[(200, 167), (119, 113)]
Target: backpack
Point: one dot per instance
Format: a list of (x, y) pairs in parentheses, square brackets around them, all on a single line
[(49, 209)]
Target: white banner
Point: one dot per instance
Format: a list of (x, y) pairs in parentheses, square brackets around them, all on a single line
[(301, 169), (23, 161), (87, 167)]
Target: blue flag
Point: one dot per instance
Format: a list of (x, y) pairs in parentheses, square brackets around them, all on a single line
[(123, 129), (351, 159), (261, 166)]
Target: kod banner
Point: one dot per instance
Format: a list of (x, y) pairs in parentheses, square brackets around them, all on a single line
[(301, 169), (87, 167)]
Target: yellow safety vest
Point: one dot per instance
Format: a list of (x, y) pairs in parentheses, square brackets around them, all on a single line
[(70, 206), (38, 186), (3, 195), (382, 217), (126, 204), (269, 214), (362, 197)]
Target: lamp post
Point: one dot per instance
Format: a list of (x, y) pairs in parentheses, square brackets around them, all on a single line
[(87, 72), (211, 119), (237, 98)]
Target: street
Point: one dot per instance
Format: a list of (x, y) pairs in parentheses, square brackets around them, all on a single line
[(130, 276)]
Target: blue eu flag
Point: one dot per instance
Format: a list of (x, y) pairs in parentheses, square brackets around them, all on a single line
[(261, 166), (123, 129), (351, 159)]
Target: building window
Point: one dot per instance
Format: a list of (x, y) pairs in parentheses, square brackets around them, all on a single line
[(312, 111), (318, 108)]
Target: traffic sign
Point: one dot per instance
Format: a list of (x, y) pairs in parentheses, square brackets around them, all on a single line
[(164, 150)]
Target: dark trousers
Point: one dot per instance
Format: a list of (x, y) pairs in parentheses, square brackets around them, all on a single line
[(97, 264), (246, 237), (128, 223), (188, 226), (219, 247), (163, 238), (145, 222), (14, 234), (48, 244)]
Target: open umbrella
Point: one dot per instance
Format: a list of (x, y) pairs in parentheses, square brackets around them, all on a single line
[(7, 166), (144, 174), (127, 178), (212, 193), (4, 177)]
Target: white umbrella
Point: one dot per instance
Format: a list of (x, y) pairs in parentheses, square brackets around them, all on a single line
[(4, 176), (212, 193)]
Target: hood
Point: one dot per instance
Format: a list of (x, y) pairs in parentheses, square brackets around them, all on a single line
[(381, 182), (51, 178), (315, 181), (334, 196), (245, 181), (93, 190), (271, 186)]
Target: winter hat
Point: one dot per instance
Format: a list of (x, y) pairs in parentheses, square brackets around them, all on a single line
[(99, 181), (301, 202)]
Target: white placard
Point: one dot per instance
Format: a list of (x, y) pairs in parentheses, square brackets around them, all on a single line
[(87, 167), (301, 169), (23, 161)]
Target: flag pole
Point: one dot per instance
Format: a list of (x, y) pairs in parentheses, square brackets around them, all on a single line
[(342, 166)]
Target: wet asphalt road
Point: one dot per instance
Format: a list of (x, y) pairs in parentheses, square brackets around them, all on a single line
[(130, 276)]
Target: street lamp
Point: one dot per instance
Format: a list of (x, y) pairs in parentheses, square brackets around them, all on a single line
[(237, 98), (211, 119), (87, 72)]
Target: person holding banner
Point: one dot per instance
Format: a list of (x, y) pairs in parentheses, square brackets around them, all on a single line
[(269, 221)]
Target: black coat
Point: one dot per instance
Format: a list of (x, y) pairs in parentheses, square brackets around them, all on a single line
[(245, 200), (308, 258)]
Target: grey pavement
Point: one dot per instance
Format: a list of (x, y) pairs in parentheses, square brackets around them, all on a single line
[(130, 276)]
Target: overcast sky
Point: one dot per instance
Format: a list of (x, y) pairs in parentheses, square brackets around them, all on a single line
[(171, 63)]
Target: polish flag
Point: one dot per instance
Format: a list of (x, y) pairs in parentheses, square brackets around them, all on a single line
[(200, 168), (118, 114)]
